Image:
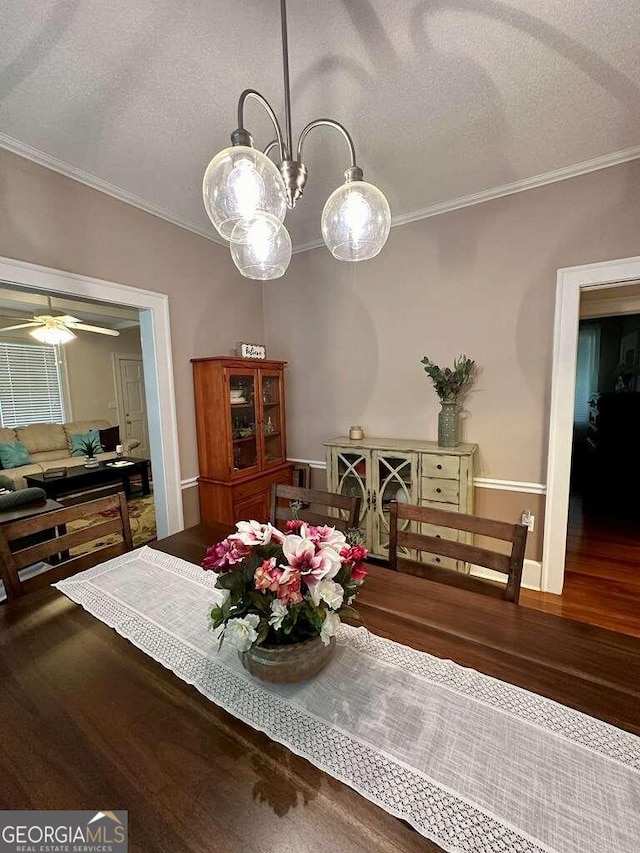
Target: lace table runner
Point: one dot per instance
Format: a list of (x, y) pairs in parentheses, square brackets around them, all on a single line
[(472, 763)]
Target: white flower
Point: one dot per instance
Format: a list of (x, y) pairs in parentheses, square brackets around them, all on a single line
[(278, 613), (254, 533), (242, 633), (328, 591), (329, 627)]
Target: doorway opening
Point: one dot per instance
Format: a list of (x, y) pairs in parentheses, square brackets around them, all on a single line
[(158, 389), (592, 509)]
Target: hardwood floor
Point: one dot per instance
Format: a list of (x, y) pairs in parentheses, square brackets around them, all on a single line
[(602, 580)]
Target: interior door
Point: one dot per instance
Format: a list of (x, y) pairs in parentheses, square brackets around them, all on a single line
[(394, 477), (134, 407)]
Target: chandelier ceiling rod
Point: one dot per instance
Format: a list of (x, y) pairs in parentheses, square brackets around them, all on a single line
[(285, 74)]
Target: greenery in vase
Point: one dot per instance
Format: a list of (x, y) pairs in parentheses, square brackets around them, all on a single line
[(451, 384)]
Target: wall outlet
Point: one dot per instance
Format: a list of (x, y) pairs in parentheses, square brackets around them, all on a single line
[(528, 520)]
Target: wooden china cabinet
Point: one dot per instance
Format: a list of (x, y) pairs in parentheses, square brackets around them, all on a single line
[(240, 423)]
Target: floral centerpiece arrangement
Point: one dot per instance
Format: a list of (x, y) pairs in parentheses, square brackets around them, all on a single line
[(450, 385), (285, 588)]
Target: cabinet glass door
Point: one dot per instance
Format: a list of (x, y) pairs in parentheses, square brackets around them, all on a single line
[(395, 480), (242, 406), (352, 474), (272, 418)]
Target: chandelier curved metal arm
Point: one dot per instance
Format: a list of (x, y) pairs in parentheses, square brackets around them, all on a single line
[(354, 172), (241, 136)]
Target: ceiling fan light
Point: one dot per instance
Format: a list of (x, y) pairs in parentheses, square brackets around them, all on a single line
[(265, 252), (356, 221), (52, 335), (238, 183)]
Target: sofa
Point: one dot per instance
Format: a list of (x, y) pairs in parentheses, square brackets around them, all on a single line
[(49, 446)]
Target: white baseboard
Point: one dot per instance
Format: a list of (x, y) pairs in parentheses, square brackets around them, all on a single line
[(531, 575)]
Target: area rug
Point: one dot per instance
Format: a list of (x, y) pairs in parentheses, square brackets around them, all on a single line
[(142, 519)]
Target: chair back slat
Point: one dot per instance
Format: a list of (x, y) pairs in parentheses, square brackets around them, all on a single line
[(60, 542), (509, 564), (311, 499), (67, 541), (73, 566), (456, 550)]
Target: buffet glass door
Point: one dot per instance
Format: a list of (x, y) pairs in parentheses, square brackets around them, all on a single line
[(395, 480), (242, 385), (272, 420)]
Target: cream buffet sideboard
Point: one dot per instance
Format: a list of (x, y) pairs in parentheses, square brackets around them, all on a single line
[(380, 470)]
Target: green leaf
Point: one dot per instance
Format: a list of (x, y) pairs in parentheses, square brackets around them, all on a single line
[(350, 613), (263, 630), (260, 601), (233, 581)]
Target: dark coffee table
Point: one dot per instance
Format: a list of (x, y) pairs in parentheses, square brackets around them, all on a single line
[(80, 479)]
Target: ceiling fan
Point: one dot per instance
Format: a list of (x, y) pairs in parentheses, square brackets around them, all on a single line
[(58, 330)]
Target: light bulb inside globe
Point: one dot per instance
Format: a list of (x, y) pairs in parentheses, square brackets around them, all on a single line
[(356, 221), (238, 183), (261, 247), (53, 335)]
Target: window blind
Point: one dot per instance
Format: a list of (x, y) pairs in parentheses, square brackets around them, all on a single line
[(30, 385)]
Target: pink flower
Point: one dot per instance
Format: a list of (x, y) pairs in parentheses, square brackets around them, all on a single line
[(267, 576), (289, 591), (358, 573), (225, 553), (324, 536), (293, 524), (253, 533), (313, 564)]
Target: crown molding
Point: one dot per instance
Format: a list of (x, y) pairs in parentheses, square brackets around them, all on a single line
[(82, 177), (563, 174)]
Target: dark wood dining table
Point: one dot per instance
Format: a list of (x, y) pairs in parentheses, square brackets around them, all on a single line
[(91, 722)]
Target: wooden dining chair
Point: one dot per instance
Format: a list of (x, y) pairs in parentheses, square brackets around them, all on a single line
[(18, 551), (347, 509), (435, 546)]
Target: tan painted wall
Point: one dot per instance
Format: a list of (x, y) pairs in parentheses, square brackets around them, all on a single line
[(479, 280), (51, 220), (90, 372)]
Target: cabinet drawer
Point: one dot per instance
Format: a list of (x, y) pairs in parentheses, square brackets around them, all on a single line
[(440, 532), (443, 491), (445, 467), (437, 560)]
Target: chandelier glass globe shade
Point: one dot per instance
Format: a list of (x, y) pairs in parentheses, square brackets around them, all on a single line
[(265, 249), (356, 221), (238, 183)]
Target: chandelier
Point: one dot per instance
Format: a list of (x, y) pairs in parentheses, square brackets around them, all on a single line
[(246, 195)]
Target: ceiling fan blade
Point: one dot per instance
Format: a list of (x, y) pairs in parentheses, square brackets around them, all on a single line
[(67, 319), (32, 324), (97, 329)]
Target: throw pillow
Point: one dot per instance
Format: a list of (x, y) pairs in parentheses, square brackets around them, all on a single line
[(80, 440), (110, 438), (14, 454)]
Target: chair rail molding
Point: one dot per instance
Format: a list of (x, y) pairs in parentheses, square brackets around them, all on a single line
[(478, 482), (157, 360), (571, 281)]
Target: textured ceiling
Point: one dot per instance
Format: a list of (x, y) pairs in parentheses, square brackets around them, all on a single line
[(444, 99)]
